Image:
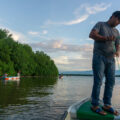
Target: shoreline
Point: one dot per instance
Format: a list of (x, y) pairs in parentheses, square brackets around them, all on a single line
[(82, 75)]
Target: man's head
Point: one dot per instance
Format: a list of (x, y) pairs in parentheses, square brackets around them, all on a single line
[(115, 19)]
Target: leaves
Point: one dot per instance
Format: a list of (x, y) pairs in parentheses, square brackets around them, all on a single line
[(15, 57)]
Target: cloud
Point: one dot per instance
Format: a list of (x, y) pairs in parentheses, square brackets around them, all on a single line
[(58, 45), (61, 60), (17, 36), (76, 21), (67, 60), (48, 46), (74, 63), (44, 32), (97, 8), (88, 9), (82, 13), (34, 33), (67, 56)]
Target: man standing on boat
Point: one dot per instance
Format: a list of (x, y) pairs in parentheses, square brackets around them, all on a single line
[(106, 46)]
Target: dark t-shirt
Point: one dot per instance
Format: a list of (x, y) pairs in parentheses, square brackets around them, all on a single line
[(106, 48)]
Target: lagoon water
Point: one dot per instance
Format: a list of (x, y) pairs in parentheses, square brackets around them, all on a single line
[(46, 98)]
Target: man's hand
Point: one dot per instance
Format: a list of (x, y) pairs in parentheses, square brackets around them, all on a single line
[(96, 36), (117, 54), (111, 38)]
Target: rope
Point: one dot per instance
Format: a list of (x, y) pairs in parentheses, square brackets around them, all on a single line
[(117, 58), (114, 48)]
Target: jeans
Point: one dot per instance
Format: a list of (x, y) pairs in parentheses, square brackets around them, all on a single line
[(103, 66)]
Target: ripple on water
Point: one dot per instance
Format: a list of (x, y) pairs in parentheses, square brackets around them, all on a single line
[(46, 100)]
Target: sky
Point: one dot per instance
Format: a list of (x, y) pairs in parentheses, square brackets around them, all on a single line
[(59, 28)]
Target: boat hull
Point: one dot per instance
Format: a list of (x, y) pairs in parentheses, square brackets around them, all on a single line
[(11, 78), (81, 111)]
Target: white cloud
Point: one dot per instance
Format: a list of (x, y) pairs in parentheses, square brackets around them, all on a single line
[(44, 32), (88, 9), (76, 21), (82, 13), (74, 63), (58, 45), (97, 8), (17, 36), (61, 60), (67, 56), (33, 33)]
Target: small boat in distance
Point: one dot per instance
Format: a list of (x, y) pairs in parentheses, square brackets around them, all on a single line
[(5, 77), (60, 76)]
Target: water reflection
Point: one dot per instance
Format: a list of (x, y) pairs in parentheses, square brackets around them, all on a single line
[(5, 82), (45, 98), (17, 92)]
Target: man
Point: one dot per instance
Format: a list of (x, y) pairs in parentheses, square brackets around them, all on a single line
[(106, 47)]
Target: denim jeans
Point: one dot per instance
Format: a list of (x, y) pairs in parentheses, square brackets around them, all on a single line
[(103, 67)]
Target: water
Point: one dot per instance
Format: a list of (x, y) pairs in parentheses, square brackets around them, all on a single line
[(46, 98)]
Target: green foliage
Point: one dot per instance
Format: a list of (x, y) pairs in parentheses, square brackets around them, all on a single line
[(15, 57)]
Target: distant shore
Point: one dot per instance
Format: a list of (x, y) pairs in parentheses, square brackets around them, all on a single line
[(82, 75)]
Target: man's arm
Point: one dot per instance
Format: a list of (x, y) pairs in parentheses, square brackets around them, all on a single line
[(97, 37)]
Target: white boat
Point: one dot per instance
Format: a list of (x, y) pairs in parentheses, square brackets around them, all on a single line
[(81, 111), (5, 77), (11, 78)]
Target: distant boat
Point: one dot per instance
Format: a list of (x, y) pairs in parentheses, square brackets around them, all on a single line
[(60, 76), (5, 77), (11, 78), (81, 111)]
